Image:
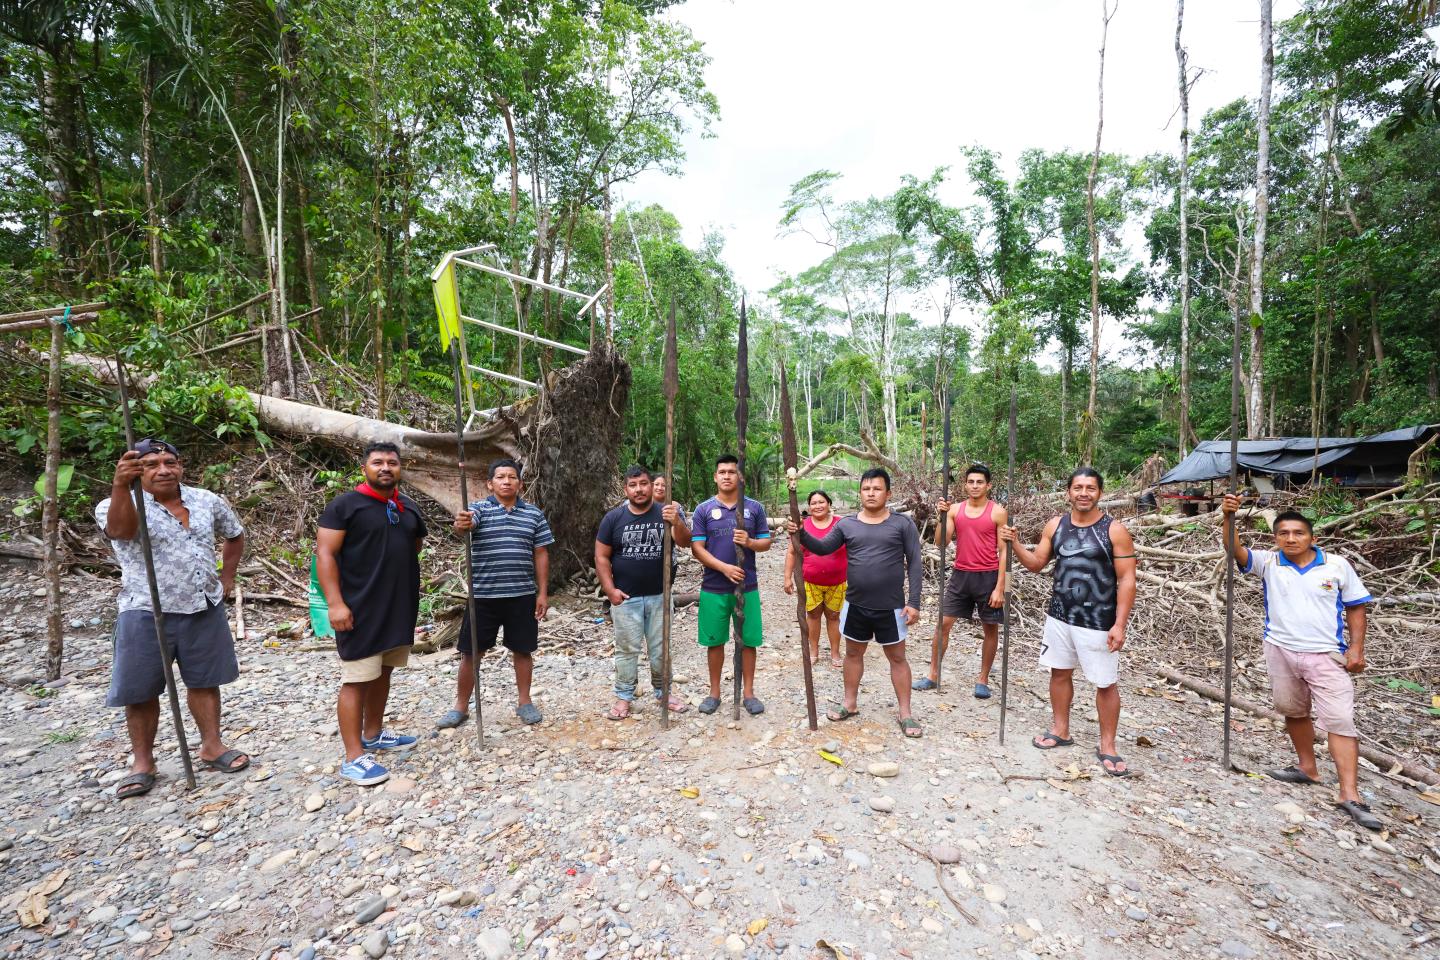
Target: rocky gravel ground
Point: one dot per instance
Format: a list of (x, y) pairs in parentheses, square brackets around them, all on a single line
[(582, 837)]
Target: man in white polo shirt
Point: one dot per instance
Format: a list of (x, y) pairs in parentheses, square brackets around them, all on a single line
[(1311, 600)]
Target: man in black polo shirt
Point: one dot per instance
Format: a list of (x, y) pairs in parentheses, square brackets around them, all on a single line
[(367, 560)]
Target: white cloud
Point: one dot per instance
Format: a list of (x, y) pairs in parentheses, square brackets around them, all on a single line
[(876, 91)]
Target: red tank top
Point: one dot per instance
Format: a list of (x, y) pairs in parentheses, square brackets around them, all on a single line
[(975, 541), (826, 571)]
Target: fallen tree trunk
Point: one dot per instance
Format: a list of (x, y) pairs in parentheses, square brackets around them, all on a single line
[(566, 438), (1384, 761)]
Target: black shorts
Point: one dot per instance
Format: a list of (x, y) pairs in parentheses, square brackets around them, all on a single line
[(968, 591), (201, 643), (514, 615), (863, 624)]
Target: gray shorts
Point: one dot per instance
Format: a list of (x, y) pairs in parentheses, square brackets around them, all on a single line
[(201, 643)]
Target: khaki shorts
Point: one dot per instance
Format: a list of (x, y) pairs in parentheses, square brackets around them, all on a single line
[(363, 671), (1302, 683)]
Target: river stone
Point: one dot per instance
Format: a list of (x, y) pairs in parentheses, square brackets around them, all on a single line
[(883, 768), (945, 853), (371, 909)]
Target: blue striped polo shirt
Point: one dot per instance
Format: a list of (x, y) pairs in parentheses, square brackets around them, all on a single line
[(502, 547)]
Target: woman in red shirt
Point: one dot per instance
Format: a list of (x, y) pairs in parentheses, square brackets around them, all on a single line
[(824, 580)]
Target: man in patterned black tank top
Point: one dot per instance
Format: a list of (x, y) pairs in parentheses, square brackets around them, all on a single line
[(1089, 609)]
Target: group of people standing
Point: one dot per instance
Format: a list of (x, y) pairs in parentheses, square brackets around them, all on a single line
[(861, 574)]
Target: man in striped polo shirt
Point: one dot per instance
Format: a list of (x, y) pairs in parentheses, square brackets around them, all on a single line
[(510, 560)]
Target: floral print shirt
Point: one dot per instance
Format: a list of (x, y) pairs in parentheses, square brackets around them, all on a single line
[(185, 568)]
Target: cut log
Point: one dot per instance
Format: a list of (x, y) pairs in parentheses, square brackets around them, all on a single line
[(1384, 761)]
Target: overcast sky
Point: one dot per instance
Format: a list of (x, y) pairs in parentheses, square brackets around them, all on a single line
[(876, 91)]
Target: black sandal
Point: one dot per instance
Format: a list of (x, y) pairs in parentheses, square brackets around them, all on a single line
[(1292, 775), (225, 762), (1113, 759), (1050, 735), (142, 783)]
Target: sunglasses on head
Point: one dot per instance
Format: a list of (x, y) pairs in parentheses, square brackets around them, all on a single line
[(150, 445)]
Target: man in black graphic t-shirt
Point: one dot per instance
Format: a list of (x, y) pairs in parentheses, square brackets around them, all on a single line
[(1090, 603), (629, 561)]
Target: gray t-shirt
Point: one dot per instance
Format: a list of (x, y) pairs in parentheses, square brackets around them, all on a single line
[(876, 553)]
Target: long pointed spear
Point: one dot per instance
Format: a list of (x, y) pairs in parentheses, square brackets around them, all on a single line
[(942, 538), (787, 444), (742, 421), (1231, 563), (1009, 558), (672, 388), (469, 543), (157, 614)]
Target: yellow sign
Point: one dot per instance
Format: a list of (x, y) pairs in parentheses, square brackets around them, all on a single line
[(447, 305)]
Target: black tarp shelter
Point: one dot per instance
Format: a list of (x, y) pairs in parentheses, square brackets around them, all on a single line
[(1377, 460)]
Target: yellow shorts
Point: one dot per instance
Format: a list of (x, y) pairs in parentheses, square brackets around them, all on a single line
[(833, 597), (363, 671)]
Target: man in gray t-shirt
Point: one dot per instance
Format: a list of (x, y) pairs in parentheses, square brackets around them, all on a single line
[(883, 553)]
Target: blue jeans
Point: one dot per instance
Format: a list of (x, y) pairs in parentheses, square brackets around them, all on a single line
[(639, 620)]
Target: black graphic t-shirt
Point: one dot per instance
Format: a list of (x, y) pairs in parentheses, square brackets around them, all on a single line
[(635, 541), (1084, 591)]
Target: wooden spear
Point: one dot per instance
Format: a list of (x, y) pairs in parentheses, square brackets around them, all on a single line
[(469, 543), (672, 388), (742, 421), (1009, 558), (157, 614), (791, 455), (942, 539)]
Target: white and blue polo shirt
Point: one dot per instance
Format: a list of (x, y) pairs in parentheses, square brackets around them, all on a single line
[(502, 547), (1305, 606)]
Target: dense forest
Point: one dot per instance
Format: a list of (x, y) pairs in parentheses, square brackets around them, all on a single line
[(314, 160)]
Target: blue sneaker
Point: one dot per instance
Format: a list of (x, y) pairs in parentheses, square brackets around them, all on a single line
[(388, 740), (363, 771)]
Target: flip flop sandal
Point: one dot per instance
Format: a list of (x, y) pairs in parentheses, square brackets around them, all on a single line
[(1360, 813), (677, 705), (619, 710), (224, 762), (135, 785), (840, 713), (1113, 759), (1049, 735), (1292, 775), (911, 728)]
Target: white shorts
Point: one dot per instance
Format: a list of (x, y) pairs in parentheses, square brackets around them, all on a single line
[(1064, 646)]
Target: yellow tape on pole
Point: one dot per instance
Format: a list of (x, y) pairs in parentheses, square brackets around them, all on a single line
[(447, 305)]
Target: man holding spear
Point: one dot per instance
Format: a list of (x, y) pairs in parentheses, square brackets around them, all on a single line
[(976, 585), (182, 522), (723, 527), (630, 562)]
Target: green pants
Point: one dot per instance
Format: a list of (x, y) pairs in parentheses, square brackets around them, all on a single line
[(716, 612)]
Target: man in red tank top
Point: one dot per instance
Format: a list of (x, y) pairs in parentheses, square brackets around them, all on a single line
[(977, 584)]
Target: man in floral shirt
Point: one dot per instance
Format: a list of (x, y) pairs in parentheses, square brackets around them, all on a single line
[(183, 523)]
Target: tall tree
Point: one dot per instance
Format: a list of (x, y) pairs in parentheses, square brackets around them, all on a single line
[(1255, 403), (1090, 424), (1187, 433)]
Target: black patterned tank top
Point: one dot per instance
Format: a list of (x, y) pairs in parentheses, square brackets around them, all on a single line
[(1084, 591)]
